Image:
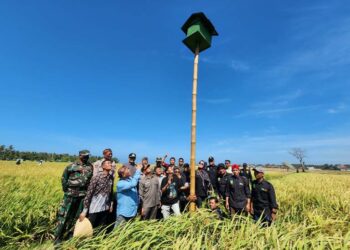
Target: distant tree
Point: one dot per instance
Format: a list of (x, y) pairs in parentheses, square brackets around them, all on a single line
[(300, 155)]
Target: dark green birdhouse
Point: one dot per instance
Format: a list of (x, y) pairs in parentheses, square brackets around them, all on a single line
[(198, 30)]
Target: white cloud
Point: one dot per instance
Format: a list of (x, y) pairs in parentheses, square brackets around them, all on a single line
[(338, 109)]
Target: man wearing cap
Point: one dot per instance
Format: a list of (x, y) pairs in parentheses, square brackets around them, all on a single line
[(228, 166), (75, 181), (237, 193), (107, 156), (223, 178), (212, 172), (131, 165), (246, 173), (264, 204)]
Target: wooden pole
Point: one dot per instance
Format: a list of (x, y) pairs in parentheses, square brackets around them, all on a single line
[(193, 130)]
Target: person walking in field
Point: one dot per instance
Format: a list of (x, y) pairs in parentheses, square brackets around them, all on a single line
[(264, 204), (237, 193), (222, 181), (107, 155), (149, 191), (202, 184), (98, 202), (212, 172), (170, 193), (75, 181), (245, 172), (127, 195)]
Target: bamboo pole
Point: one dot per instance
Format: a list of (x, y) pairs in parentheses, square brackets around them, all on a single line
[(193, 130)]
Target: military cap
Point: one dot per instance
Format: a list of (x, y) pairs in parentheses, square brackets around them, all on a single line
[(84, 152), (211, 159), (132, 155), (159, 159)]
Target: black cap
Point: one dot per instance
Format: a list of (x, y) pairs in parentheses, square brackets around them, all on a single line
[(211, 159), (132, 155), (221, 165), (245, 165)]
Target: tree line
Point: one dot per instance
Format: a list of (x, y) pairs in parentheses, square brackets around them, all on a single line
[(9, 153)]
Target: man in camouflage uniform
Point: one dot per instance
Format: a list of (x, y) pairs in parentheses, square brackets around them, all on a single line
[(75, 181)]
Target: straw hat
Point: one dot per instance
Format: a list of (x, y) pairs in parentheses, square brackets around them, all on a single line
[(83, 228)]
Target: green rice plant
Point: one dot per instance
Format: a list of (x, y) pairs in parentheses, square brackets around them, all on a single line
[(314, 214)]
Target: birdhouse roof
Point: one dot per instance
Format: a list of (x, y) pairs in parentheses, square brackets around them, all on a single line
[(199, 16)]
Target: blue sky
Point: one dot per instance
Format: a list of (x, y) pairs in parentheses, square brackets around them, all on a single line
[(96, 74)]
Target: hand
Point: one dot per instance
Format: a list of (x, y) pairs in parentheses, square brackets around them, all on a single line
[(142, 212), (251, 211), (191, 198), (139, 166), (273, 216), (227, 206), (111, 208), (82, 216), (247, 208)]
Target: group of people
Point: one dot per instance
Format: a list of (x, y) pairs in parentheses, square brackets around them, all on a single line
[(158, 192)]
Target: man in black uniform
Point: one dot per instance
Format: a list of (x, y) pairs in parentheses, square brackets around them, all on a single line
[(212, 172), (246, 173), (223, 177), (264, 204), (237, 193)]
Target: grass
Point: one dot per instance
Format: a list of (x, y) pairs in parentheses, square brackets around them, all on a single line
[(314, 214)]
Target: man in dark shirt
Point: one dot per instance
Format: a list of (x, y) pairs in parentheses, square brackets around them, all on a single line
[(214, 207), (181, 164), (237, 193), (264, 202), (246, 173), (131, 165), (170, 188), (223, 177), (212, 172), (202, 184)]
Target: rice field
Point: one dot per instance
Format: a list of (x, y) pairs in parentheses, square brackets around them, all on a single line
[(314, 214)]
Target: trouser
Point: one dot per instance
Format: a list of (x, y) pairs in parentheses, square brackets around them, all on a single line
[(265, 217), (111, 217), (98, 219), (67, 215), (121, 220), (200, 200), (159, 213), (240, 211), (167, 208), (150, 213)]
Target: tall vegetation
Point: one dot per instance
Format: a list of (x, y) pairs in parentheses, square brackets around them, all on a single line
[(314, 214), (9, 153)]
